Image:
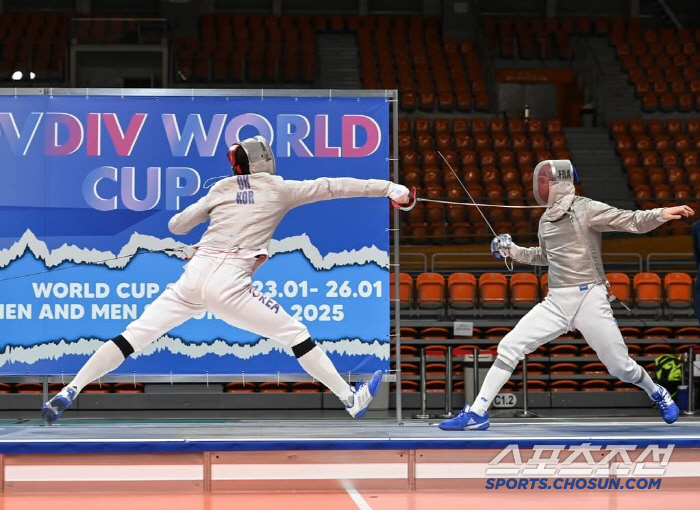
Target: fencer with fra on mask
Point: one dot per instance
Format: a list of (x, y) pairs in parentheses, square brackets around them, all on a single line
[(570, 239)]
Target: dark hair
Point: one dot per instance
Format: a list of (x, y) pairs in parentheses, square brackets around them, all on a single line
[(242, 160)]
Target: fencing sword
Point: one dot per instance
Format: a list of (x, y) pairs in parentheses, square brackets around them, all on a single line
[(488, 224), (502, 206)]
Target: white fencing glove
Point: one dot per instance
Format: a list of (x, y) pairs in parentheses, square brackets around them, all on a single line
[(401, 197), (500, 246)]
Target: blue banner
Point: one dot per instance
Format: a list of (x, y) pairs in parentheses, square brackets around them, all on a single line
[(91, 182)]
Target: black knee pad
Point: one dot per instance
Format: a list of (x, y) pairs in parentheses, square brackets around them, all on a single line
[(124, 345), (300, 349)]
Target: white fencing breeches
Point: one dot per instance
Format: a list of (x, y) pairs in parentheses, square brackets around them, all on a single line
[(566, 309), (220, 283)]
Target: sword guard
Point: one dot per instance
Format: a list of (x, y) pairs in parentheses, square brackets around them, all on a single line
[(411, 201)]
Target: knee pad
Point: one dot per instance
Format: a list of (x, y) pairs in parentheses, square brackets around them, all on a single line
[(303, 348), (504, 363), (124, 345), (509, 355)]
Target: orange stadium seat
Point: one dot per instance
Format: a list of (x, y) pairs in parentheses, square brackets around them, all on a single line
[(273, 387), (492, 290), (405, 289), (620, 286), (430, 290), (524, 290), (678, 289), (647, 290), (461, 290), (239, 387)]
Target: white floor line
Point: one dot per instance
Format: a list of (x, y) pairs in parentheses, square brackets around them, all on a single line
[(356, 496)]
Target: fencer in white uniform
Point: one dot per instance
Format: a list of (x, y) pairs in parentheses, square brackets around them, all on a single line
[(243, 211), (570, 235)]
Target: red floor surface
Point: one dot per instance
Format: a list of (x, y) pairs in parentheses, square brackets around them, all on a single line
[(511, 500)]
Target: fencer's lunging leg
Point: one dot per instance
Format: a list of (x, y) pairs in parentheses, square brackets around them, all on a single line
[(543, 323), (596, 322), (246, 308), (106, 358), (319, 366)]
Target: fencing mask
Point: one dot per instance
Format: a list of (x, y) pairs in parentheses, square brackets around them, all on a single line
[(252, 156), (552, 172)]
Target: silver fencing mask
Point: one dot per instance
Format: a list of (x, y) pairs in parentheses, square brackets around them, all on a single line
[(252, 156), (551, 171)]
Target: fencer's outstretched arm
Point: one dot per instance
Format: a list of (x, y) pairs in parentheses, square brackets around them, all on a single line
[(535, 256), (503, 246), (297, 193), (190, 217), (606, 218)]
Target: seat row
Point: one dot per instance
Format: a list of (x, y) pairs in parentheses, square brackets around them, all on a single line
[(534, 386), (513, 126), (495, 333), (464, 291)]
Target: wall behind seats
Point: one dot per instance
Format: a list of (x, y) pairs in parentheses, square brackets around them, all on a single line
[(593, 8), (521, 7)]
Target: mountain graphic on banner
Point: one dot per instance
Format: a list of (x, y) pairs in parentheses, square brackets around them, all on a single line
[(71, 253), (55, 350)]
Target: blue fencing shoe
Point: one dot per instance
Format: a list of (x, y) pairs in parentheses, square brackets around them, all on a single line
[(53, 409), (667, 407), (363, 393), (466, 419)]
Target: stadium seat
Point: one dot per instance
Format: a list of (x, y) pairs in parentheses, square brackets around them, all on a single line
[(524, 290), (594, 368), (435, 386), (405, 289), (689, 332), (623, 386), (461, 288), (273, 387), (496, 333), (128, 388), (306, 387), (97, 388), (678, 289), (596, 385), (409, 387), (434, 333), (620, 286), (563, 369), (563, 385), (430, 291), (239, 387), (657, 332), (533, 386), (29, 388), (647, 290), (492, 290), (563, 351)]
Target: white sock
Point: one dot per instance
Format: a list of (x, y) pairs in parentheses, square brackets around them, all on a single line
[(646, 383), (319, 366), (493, 382), (106, 358)]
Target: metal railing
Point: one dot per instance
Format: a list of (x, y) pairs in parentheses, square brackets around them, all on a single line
[(678, 262)]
